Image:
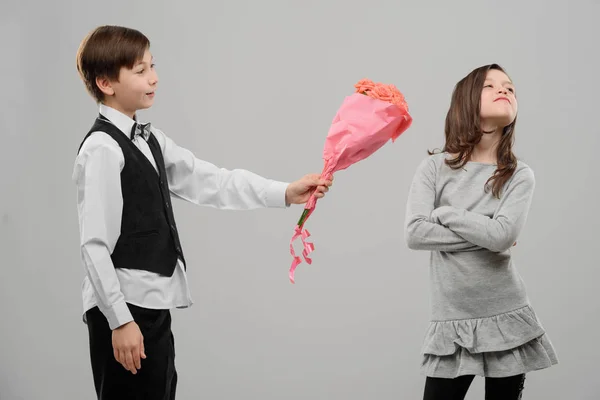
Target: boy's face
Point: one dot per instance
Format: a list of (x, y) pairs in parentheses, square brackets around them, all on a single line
[(135, 87)]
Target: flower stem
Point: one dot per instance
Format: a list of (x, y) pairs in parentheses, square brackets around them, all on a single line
[(303, 217)]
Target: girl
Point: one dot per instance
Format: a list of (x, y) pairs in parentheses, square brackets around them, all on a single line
[(467, 205)]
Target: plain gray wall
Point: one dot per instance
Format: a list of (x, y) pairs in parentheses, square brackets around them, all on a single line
[(255, 85)]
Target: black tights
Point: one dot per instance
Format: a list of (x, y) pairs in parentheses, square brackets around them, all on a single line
[(510, 388)]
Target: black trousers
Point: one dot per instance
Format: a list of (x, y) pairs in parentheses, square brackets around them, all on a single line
[(156, 380), (510, 388)]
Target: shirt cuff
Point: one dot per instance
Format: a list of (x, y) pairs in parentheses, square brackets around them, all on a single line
[(118, 315), (275, 195)]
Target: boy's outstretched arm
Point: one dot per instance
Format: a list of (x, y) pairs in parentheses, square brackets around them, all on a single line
[(203, 183)]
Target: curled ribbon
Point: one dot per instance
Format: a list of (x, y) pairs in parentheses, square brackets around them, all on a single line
[(299, 231), (308, 248)]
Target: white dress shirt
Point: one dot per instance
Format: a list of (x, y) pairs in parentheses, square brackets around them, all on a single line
[(97, 174)]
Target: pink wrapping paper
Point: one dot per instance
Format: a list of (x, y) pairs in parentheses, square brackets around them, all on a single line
[(362, 125)]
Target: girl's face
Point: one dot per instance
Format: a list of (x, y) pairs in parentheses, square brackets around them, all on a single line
[(498, 100)]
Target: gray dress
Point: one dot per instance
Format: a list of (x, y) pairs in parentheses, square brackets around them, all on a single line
[(482, 322)]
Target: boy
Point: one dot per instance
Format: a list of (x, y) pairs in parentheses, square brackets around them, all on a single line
[(125, 174)]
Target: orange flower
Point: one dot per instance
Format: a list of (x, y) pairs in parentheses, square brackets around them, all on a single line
[(364, 85), (380, 91), (384, 92)]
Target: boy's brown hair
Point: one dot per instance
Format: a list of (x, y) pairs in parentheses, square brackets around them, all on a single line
[(104, 51)]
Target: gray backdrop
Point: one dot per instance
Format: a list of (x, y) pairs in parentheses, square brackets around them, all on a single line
[(255, 85)]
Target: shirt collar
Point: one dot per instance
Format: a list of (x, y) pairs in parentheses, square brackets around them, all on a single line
[(118, 119)]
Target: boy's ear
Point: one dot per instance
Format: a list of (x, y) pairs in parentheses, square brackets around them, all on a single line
[(105, 85)]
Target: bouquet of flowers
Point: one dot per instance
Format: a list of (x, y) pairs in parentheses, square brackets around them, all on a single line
[(365, 121)]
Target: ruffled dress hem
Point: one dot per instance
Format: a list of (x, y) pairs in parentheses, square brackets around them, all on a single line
[(503, 345)]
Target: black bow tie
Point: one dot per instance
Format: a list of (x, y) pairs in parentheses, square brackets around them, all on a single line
[(140, 129)]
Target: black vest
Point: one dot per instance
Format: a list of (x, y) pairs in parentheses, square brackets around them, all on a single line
[(149, 239)]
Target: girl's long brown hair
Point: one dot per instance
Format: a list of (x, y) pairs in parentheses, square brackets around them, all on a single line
[(463, 129)]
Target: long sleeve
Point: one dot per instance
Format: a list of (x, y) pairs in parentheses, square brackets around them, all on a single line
[(420, 232), (97, 176), (203, 183), (499, 233)]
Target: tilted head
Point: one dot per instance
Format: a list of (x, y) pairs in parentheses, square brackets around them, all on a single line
[(483, 103)]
